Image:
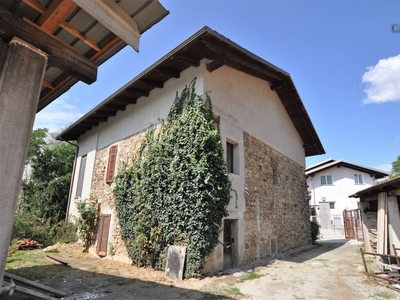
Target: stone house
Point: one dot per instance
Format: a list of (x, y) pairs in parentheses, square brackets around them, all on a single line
[(330, 182), (266, 134), (379, 205)]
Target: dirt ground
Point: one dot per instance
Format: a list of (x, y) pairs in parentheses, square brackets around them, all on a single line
[(329, 270)]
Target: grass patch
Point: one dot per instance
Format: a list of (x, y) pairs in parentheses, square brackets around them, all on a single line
[(250, 276), (232, 291), (383, 294), (322, 259), (26, 258)]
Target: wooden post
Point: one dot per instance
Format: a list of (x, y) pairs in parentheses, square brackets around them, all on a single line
[(22, 68)]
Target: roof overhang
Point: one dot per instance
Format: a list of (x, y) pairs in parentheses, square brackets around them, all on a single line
[(341, 163), (205, 44), (385, 186), (75, 41)]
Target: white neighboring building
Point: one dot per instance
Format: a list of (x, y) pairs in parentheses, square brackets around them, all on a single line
[(330, 183)]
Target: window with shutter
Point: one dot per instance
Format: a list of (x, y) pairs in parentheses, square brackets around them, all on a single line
[(102, 236), (112, 160), (81, 176)]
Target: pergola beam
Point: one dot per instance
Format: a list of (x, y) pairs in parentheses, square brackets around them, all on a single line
[(55, 14), (60, 56), (114, 18)]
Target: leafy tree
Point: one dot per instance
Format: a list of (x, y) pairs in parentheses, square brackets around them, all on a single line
[(44, 193), (395, 168), (177, 189)]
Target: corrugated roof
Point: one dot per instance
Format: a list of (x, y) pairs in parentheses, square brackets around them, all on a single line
[(209, 44), (339, 163), (82, 32)]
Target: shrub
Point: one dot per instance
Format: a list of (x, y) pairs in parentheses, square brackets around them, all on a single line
[(87, 221), (314, 231)]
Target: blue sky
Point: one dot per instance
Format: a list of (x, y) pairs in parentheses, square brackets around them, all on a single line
[(342, 56)]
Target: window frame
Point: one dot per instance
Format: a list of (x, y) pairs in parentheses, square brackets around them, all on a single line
[(357, 177), (232, 156), (326, 176), (81, 176), (111, 163)]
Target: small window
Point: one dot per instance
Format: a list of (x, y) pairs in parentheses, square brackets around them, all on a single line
[(232, 157), (358, 179), (81, 176), (331, 205), (275, 175), (112, 160), (326, 179)]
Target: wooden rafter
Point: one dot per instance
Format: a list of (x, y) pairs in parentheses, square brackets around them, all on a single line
[(60, 56), (153, 83), (138, 92), (114, 18), (36, 5), (56, 13), (80, 35), (48, 84), (188, 60), (217, 63), (113, 42), (126, 100)]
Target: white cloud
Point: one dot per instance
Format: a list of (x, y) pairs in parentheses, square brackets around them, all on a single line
[(59, 114), (383, 81)]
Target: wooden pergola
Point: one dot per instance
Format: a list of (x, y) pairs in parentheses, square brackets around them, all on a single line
[(47, 46)]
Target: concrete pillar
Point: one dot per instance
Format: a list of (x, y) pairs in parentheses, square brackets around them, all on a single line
[(22, 68), (381, 224), (325, 215), (393, 222)]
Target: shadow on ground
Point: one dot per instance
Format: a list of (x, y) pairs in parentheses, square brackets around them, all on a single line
[(85, 285)]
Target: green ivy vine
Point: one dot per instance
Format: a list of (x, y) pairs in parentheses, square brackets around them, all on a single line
[(177, 189)]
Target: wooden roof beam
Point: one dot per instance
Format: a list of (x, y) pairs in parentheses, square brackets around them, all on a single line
[(138, 92), (152, 83), (90, 123), (60, 56), (169, 72), (223, 51), (48, 84), (114, 106), (56, 13), (114, 18), (36, 5), (126, 100), (80, 35), (188, 60), (217, 63), (106, 113), (96, 118)]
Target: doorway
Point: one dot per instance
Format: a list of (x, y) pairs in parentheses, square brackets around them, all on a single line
[(230, 243)]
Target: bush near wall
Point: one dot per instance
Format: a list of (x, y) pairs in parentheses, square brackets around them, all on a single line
[(177, 189)]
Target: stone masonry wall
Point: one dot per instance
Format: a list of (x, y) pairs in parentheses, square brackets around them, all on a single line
[(276, 201), (102, 191)]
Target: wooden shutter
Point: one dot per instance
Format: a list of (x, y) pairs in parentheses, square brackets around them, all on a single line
[(112, 161), (102, 236)]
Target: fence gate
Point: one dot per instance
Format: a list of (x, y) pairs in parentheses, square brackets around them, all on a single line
[(353, 224)]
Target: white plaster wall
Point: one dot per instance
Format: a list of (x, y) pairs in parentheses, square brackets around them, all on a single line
[(87, 181), (262, 115), (343, 186)]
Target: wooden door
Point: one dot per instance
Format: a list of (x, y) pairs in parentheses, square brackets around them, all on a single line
[(102, 236)]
